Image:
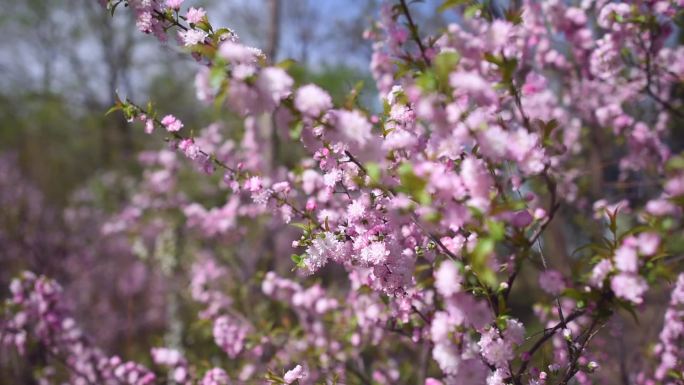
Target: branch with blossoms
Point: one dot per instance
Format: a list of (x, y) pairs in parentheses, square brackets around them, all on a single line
[(433, 211)]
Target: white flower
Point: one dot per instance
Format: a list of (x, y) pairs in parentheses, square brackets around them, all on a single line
[(312, 100), (447, 357), (323, 248), (356, 210), (374, 254), (274, 83), (354, 126), (626, 259), (193, 37), (294, 374), (448, 279)]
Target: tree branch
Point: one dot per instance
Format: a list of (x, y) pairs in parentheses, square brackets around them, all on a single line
[(414, 32)]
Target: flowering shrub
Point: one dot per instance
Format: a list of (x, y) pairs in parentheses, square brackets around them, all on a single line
[(503, 127)]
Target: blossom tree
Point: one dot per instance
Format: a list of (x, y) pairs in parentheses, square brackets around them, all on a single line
[(513, 198)]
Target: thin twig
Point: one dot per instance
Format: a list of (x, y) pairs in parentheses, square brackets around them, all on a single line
[(414, 32), (548, 333)]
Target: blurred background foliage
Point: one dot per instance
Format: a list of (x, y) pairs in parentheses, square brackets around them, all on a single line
[(63, 61)]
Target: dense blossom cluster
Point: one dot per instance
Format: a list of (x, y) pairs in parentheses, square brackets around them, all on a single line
[(40, 312), (430, 210), (672, 336)]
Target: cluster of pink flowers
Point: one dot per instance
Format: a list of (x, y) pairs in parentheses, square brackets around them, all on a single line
[(670, 348), (41, 313), (432, 209)]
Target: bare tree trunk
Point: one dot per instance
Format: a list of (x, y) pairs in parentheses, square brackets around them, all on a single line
[(272, 52), (117, 62), (274, 30)]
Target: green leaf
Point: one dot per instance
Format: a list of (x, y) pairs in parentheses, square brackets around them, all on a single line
[(675, 163), (548, 127), (286, 64), (678, 200), (115, 107), (496, 60), (303, 226), (354, 95), (450, 4), (298, 259), (502, 320), (514, 16), (508, 69), (424, 198), (674, 244), (443, 64), (630, 309), (480, 257), (472, 10), (296, 130), (574, 294), (412, 183), (633, 231), (484, 248), (427, 81), (112, 6), (497, 230), (675, 374), (216, 76), (223, 31), (373, 171), (204, 26), (128, 111)]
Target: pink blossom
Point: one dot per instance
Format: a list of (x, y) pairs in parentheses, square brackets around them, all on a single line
[(471, 83), (477, 180), (610, 15), (171, 123), (275, 84), (192, 37), (447, 357), (229, 335), (433, 381), (629, 286), (648, 243), (189, 148), (373, 254), (149, 126), (441, 326), (354, 126), (495, 350), (552, 282), (600, 272), (670, 349), (521, 219), (448, 279), (237, 53), (323, 247), (168, 357), (174, 4), (215, 376), (515, 331), (195, 15), (294, 374), (311, 100), (626, 259), (254, 184), (497, 377)]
